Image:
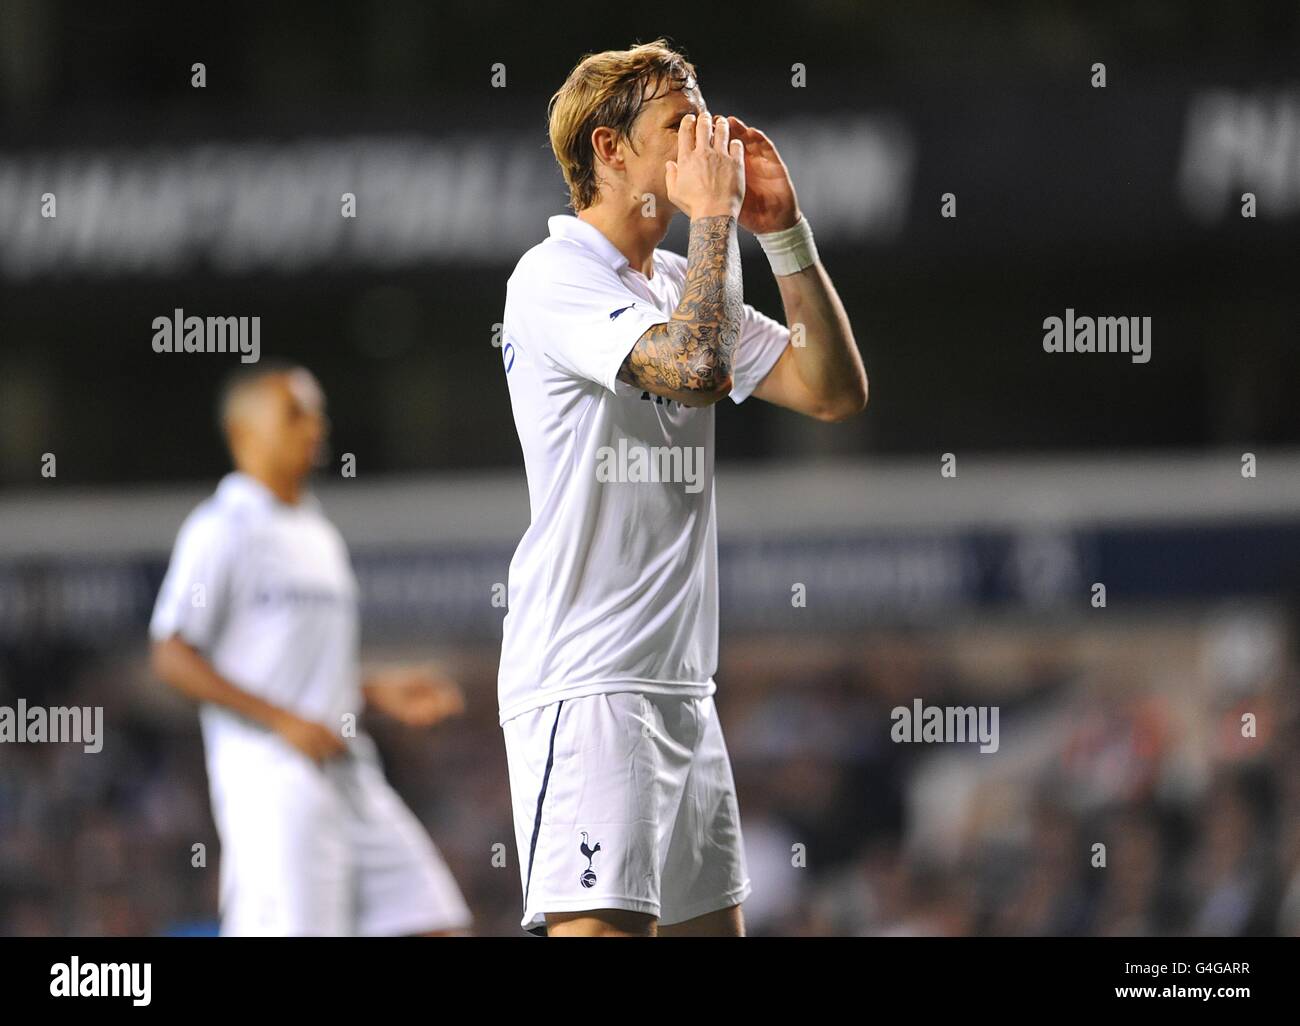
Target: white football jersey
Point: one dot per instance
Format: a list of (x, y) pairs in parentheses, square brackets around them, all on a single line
[(614, 586), (265, 591)]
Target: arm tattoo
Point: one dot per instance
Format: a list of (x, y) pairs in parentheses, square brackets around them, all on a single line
[(692, 352)]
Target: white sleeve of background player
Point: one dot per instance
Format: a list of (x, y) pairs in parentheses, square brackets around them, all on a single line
[(762, 341), (195, 593), (582, 318)]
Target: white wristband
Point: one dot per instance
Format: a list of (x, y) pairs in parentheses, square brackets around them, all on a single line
[(790, 250)]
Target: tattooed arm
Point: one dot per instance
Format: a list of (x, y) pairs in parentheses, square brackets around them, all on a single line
[(688, 358)]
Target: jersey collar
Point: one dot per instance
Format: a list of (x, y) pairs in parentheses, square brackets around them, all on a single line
[(566, 226)]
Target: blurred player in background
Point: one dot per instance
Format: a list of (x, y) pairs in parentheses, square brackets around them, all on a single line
[(257, 621), (615, 353)]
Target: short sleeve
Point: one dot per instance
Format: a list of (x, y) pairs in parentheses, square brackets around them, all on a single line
[(578, 314), (762, 341), (195, 593)]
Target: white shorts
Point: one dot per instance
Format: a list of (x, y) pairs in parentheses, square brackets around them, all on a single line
[(326, 851), (625, 801)]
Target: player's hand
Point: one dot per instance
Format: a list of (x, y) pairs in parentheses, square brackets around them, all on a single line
[(315, 741), (418, 696), (770, 202), (708, 177)]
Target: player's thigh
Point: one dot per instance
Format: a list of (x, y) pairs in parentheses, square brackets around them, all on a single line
[(285, 863), (705, 872), (403, 885)]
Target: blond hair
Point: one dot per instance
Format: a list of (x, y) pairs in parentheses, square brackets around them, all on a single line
[(608, 90)]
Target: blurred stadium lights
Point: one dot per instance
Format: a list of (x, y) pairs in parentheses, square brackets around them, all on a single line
[(1239, 142)]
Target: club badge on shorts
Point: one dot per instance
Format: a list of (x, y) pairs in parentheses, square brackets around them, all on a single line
[(588, 878)]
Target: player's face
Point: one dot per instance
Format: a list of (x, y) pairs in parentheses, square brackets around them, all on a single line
[(655, 137), (290, 425)]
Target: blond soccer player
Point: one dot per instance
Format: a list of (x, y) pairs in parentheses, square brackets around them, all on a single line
[(615, 353)]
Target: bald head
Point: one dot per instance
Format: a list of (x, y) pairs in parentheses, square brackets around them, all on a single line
[(273, 417)]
